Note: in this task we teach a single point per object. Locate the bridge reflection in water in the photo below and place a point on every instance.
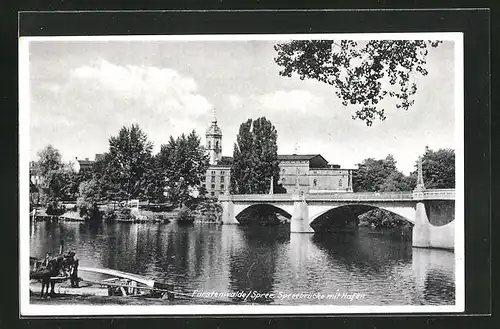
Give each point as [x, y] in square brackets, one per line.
[230, 258]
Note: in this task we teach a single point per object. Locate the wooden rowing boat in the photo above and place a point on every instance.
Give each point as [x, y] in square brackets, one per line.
[119, 283]
[119, 274]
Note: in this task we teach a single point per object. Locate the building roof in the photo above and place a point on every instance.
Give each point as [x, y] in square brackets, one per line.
[294, 157]
[227, 160]
[85, 162]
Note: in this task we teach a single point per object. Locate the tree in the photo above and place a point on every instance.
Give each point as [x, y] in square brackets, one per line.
[379, 176]
[99, 172]
[72, 181]
[183, 162]
[128, 160]
[241, 168]
[438, 168]
[255, 157]
[266, 153]
[363, 73]
[49, 160]
[202, 192]
[88, 198]
[397, 181]
[155, 183]
[198, 161]
[55, 177]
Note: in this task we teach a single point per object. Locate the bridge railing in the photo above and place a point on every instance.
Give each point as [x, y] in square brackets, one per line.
[361, 196]
[431, 194]
[257, 197]
[435, 194]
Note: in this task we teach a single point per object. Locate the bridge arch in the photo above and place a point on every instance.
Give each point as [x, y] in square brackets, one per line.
[347, 215]
[261, 212]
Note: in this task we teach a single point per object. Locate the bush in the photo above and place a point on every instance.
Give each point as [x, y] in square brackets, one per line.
[55, 208]
[108, 214]
[213, 211]
[88, 210]
[124, 213]
[185, 215]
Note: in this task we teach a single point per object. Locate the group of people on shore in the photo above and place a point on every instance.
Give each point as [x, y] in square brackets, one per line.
[63, 266]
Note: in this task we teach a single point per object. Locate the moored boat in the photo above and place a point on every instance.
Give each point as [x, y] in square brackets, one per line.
[99, 282]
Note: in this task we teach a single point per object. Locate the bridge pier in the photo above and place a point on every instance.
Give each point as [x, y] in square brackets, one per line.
[426, 235]
[421, 229]
[228, 216]
[299, 222]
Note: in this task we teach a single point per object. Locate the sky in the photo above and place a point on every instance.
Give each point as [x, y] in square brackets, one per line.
[82, 92]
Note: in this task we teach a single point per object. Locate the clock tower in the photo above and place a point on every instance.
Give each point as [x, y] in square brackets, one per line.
[214, 141]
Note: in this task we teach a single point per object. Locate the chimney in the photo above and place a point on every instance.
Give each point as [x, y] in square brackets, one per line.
[86, 159]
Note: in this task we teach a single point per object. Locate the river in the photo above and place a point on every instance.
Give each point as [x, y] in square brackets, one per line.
[362, 268]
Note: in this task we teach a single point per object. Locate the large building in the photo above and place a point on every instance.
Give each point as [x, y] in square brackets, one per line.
[311, 173]
[307, 173]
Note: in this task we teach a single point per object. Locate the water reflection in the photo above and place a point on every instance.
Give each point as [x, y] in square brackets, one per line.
[434, 274]
[253, 265]
[231, 258]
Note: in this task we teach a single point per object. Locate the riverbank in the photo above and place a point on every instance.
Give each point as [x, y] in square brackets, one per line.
[196, 211]
[68, 216]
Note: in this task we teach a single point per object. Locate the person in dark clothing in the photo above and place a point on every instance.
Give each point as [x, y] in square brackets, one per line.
[70, 268]
[74, 274]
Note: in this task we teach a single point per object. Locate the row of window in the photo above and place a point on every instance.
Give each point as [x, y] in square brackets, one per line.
[213, 179]
[212, 186]
[222, 173]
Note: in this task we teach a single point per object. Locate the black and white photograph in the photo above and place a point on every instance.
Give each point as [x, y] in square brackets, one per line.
[250, 173]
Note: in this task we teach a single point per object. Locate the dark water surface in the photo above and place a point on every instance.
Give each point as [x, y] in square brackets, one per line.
[362, 268]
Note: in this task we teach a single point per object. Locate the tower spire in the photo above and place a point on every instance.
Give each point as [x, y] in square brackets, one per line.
[215, 116]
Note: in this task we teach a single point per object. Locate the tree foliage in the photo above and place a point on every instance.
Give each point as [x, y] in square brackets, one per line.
[99, 173]
[56, 179]
[127, 163]
[380, 218]
[363, 73]
[438, 168]
[380, 176]
[49, 160]
[154, 187]
[88, 198]
[183, 162]
[255, 157]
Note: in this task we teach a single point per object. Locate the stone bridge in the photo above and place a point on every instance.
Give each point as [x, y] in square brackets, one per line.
[432, 211]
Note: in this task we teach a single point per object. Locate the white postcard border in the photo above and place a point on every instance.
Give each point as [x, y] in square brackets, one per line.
[27, 309]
